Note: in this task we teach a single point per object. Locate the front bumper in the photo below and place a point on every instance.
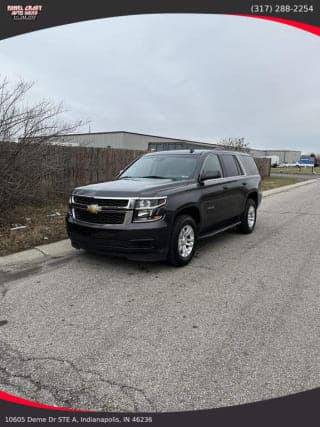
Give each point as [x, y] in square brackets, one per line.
[146, 241]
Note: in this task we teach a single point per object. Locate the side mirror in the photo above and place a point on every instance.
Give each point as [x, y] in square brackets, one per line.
[210, 175]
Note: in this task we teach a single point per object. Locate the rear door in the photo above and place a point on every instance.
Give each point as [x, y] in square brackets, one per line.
[234, 196]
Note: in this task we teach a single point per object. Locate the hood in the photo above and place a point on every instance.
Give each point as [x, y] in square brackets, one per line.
[131, 187]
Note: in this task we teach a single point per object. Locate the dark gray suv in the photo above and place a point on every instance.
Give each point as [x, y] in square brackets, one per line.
[164, 202]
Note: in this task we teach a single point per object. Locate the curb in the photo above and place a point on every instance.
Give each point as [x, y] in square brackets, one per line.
[31, 257]
[287, 187]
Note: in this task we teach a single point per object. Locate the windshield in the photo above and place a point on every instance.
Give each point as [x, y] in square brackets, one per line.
[169, 167]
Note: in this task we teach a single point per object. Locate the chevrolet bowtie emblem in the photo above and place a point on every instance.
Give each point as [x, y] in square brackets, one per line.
[94, 209]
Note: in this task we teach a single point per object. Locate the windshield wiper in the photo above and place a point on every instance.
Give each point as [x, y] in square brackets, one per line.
[155, 177]
[148, 176]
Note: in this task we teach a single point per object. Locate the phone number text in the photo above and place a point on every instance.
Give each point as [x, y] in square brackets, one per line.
[282, 8]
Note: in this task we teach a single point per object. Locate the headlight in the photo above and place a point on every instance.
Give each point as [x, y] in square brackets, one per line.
[148, 209]
[150, 203]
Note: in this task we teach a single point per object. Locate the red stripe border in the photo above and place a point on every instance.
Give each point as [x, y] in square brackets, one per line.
[20, 401]
[300, 25]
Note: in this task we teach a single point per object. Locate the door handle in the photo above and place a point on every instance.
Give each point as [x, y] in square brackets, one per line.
[225, 187]
[244, 183]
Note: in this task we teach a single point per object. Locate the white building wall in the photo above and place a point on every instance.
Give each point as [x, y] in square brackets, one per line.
[114, 140]
[286, 156]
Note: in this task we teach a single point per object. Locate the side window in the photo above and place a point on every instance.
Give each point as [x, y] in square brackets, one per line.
[240, 171]
[212, 164]
[250, 165]
[231, 165]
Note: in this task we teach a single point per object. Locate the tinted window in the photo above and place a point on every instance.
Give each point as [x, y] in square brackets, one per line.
[250, 165]
[240, 170]
[174, 167]
[212, 164]
[230, 165]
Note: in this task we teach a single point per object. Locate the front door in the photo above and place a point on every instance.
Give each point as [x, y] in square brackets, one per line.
[212, 194]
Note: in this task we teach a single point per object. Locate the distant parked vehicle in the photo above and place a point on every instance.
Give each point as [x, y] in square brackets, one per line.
[288, 165]
[275, 161]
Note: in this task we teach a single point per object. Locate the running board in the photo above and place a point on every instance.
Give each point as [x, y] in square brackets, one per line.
[221, 230]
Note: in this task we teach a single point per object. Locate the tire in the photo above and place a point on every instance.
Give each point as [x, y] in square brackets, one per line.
[183, 241]
[249, 217]
[75, 245]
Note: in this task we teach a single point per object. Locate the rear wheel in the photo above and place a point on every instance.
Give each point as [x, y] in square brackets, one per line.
[183, 241]
[249, 217]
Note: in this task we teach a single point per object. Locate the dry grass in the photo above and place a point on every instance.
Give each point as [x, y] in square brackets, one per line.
[278, 181]
[41, 228]
[296, 171]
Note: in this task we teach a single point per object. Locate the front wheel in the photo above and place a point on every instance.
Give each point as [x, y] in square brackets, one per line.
[183, 241]
[249, 217]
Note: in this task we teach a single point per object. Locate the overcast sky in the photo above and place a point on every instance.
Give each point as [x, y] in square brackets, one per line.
[187, 76]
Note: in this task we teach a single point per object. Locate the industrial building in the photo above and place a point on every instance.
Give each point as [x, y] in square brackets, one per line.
[119, 139]
[139, 141]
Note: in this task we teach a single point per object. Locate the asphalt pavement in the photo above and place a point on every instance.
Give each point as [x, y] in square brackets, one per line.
[241, 323]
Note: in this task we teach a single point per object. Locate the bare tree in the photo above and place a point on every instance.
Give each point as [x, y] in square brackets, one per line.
[26, 129]
[237, 144]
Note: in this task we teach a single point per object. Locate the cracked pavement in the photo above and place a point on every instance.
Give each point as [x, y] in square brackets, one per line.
[239, 324]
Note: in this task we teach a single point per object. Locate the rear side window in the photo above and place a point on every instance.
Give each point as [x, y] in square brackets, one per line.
[231, 165]
[250, 165]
